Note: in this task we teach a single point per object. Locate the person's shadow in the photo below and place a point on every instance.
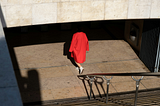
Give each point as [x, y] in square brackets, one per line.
[30, 88]
[67, 53]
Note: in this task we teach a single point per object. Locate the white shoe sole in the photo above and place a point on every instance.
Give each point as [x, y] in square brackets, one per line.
[81, 71]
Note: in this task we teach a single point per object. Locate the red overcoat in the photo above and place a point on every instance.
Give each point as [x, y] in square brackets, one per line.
[79, 46]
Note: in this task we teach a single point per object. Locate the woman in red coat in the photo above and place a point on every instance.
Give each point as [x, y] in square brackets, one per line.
[79, 46]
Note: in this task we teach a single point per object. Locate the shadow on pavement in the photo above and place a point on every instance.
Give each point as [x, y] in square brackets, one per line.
[98, 83]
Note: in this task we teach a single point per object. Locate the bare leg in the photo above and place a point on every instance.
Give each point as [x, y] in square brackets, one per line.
[78, 64]
[80, 68]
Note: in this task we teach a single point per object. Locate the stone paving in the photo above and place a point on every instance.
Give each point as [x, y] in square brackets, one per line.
[46, 71]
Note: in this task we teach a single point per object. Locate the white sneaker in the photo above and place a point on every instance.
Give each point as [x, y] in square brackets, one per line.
[77, 68]
[81, 70]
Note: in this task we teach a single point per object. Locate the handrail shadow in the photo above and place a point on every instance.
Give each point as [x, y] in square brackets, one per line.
[97, 81]
[95, 75]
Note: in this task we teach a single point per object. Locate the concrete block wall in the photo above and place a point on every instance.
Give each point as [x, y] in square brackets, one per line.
[150, 35]
[149, 48]
[32, 12]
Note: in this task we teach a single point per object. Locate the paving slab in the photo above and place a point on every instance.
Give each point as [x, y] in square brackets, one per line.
[47, 74]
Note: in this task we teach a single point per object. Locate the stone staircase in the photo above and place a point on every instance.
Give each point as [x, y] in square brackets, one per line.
[145, 98]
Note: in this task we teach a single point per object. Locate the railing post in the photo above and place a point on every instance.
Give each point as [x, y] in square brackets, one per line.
[108, 82]
[157, 57]
[137, 86]
[136, 95]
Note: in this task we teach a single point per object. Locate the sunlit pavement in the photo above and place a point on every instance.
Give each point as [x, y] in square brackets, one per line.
[47, 74]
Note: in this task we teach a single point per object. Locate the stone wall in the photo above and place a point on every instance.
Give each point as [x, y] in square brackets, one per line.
[32, 12]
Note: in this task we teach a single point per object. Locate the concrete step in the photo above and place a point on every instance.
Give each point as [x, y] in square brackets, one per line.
[88, 103]
[145, 98]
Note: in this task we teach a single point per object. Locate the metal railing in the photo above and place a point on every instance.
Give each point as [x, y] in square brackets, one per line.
[92, 76]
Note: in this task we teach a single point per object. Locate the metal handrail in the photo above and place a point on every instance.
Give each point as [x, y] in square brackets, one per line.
[94, 75]
[124, 74]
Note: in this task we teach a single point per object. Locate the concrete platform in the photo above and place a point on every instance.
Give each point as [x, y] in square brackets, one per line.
[46, 71]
